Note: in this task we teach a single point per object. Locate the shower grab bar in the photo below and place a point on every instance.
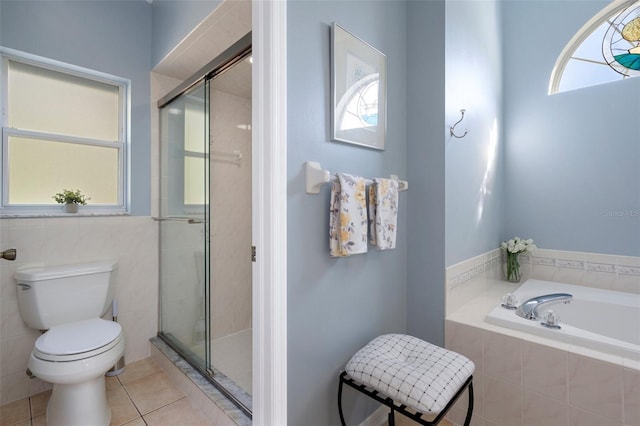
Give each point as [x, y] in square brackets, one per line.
[190, 221]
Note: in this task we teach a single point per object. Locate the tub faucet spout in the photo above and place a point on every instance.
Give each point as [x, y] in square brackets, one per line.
[532, 308]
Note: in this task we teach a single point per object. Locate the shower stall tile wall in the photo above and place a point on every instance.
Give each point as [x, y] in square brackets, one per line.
[130, 241]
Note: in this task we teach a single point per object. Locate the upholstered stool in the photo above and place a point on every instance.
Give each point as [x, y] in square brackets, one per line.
[415, 378]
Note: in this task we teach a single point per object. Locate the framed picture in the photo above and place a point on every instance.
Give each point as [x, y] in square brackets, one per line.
[358, 91]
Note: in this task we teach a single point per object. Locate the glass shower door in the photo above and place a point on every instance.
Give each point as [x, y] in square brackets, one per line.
[184, 217]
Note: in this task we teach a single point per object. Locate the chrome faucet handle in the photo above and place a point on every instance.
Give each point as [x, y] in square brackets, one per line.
[550, 320]
[509, 301]
[8, 254]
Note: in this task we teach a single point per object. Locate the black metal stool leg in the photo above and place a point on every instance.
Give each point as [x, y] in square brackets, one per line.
[467, 420]
[340, 401]
[392, 418]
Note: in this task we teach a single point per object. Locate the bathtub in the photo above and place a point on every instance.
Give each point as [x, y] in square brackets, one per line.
[607, 321]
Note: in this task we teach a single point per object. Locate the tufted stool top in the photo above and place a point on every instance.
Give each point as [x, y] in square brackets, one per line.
[410, 371]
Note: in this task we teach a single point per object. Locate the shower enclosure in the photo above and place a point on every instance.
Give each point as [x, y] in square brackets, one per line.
[205, 222]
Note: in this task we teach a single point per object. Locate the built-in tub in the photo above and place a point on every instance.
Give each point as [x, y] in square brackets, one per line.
[607, 321]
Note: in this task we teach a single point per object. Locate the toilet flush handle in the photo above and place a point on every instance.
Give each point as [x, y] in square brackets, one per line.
[8, 254]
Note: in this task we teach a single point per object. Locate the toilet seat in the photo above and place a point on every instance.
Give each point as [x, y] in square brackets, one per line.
[77, 340]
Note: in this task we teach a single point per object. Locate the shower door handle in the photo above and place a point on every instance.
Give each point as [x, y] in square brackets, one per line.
[190, 221]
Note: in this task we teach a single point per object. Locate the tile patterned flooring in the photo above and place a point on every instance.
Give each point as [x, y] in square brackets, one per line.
[141, 395]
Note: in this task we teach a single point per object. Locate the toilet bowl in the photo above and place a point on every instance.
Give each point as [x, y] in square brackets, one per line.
[78, 347]
[74, 357]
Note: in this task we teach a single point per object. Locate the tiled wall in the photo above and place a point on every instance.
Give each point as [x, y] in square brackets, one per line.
[468, 279]
[520, 382]
[131, 241]
[230, 211]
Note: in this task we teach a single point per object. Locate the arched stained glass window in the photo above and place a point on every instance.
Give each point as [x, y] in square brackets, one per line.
[607, 48]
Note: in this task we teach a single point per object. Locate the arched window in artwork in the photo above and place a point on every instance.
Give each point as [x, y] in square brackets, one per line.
[607, 48]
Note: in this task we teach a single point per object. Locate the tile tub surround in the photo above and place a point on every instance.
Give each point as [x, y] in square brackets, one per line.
[130, 240]
[471, 278]
[527, 380]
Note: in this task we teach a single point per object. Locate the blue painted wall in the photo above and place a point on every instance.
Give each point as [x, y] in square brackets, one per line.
[106, 36]
[474, 164]
[572, 159]
[173, 20]
[337, 305]
[426, 169]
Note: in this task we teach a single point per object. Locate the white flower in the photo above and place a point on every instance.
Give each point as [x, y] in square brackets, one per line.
[518, 245]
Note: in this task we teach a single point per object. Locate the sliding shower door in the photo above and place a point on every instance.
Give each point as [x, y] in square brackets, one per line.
[205, 223]
[184, 218]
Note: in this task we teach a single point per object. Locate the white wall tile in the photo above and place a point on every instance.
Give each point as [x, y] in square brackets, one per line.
[631, 397]
[595, 385]
[545, 370]
[503, 357]
[131, 241]
[579, 417]
[464, 282]
[541, 410]
[502, 402]
[465, 340]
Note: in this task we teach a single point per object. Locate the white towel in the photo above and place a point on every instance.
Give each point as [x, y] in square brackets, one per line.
[347, 216]
[383, 213]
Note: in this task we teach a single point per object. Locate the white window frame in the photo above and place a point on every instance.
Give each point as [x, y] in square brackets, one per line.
[612, 9]
[122, 144]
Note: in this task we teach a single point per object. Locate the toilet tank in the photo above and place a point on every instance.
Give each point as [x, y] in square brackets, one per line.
[53, 295]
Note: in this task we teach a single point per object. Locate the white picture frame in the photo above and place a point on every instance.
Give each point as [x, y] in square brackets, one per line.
[358, 91]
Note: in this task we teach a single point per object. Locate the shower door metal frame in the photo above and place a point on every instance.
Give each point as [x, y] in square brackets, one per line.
[237, 52]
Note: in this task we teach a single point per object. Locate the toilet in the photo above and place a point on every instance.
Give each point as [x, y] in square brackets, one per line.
[78, 347]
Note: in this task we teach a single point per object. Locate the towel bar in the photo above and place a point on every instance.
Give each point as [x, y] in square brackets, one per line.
[316, 176]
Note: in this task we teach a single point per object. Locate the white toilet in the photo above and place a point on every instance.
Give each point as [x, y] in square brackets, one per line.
[79, 346]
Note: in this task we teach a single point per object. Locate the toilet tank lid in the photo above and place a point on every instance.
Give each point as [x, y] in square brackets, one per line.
[51, 272]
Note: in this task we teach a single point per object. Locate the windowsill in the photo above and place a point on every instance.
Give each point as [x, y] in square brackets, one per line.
[59, 214]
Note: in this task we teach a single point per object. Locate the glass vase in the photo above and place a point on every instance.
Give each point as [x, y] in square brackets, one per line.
[512, 268]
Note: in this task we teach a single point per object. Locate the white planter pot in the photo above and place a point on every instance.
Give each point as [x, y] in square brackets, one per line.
[71, 208]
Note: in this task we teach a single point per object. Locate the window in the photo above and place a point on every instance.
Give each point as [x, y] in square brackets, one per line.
[607, 48]
[63, 127]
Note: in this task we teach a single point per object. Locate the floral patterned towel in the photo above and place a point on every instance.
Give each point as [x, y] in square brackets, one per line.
[347, 216]
[383, 213]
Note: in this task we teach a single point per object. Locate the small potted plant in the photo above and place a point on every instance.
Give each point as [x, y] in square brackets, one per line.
[71, 200]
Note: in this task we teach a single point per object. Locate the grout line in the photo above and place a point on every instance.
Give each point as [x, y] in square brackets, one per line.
[131, 399]
[30, 413]
[166, 405]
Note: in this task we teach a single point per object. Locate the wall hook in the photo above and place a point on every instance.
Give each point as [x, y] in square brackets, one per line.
[452, 128]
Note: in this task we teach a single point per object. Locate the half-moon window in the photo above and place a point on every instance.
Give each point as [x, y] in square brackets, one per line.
[607, 48]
